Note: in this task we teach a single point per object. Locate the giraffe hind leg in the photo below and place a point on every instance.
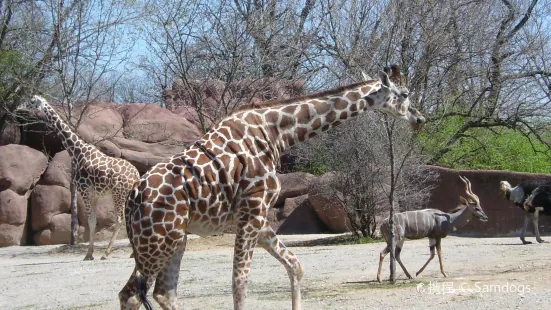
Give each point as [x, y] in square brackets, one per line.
[119, 201]
[167, 280]
[269, 241]
[134, 293]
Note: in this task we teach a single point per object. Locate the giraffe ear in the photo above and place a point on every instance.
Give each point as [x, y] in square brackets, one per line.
[463, 200]
[384, 78]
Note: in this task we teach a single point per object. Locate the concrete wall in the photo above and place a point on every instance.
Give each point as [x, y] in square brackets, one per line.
[504, 218]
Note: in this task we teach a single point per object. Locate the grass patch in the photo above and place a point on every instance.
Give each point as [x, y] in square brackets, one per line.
[347, 239]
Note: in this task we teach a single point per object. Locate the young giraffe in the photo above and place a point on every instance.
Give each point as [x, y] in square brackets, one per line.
[229, 177]
[96, 173]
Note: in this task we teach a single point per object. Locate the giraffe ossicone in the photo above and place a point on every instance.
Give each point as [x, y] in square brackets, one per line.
[229, 178]
[96, 174]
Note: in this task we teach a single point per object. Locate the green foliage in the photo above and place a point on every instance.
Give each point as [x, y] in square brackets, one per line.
[11, 65]
[315, 166]
[481, 148]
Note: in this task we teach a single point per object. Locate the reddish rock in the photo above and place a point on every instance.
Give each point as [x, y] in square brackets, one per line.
[294, 184]
[331, 213]
[277, 216]
[20, 167]
[47, 201]
[303, 220]
[58, 171]
[12, 235]
[13, 214]
[150, 123]
[13, 208]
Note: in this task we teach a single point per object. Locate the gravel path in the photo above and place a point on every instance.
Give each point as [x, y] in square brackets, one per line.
[483, 273]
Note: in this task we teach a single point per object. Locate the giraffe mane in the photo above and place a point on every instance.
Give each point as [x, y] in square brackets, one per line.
[275, 103]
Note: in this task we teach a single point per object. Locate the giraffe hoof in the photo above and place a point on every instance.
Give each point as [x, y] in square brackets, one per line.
[526, 242]
[540, 241]
[103, 257]
[89, 257]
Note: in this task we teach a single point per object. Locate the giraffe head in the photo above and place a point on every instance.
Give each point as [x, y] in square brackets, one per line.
[395, 97]
[36, 103]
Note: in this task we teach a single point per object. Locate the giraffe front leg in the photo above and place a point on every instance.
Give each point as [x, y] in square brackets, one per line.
[248, 230]
[269, 241]
[90, 208]
[167, 280]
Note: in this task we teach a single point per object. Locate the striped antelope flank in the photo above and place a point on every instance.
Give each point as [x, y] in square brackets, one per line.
[519, 195]
[431, 223]
[539, 202]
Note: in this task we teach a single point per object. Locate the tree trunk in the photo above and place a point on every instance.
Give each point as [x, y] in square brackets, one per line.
[392, 244]
[74, 211]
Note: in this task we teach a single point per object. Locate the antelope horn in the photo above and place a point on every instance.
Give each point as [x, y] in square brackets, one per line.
[468, 188]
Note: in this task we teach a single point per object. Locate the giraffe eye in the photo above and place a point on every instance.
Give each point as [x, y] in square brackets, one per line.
[405, 95]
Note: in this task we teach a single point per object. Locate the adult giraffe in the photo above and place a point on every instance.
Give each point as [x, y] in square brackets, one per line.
[229, 177]
[96, 173]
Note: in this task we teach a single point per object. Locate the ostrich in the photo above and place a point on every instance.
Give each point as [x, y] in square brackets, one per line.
[518, 195]
[539, 202]
[431, 223]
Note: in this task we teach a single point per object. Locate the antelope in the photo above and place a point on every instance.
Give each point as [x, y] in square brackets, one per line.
[431, 223]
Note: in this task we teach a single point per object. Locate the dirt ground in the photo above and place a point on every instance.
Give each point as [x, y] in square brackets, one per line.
[483, 273]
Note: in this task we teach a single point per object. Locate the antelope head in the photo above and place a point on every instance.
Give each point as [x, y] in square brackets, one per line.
[472, 201]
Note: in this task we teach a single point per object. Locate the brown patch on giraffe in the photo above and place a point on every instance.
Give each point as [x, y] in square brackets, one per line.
[321, 107]
[288, 139]
[343, 116]
[370, 101]
[271, 117]
[286, 122]
[354, 107]
[182, 209]
[312, 135]
[354, 114]
[330, 117]
[233, 147]
[253, 119]
[353, 96]
[339, 103]
[303, 116]
[316, 124]
[159, 229]
[290, 109]
[301, 133]
[202, 160]
[337, 123]
[365, 90]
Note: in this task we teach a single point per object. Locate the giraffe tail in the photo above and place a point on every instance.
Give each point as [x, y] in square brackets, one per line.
[141, 286]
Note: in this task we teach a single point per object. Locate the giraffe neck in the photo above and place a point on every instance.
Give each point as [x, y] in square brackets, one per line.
[292, 121]
[71, 141]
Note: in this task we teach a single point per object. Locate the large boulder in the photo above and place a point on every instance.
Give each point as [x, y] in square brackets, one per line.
[303, 220]
[331, 213]
[294, 184]
[20, 167]
[13, 216]
[277, 216]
